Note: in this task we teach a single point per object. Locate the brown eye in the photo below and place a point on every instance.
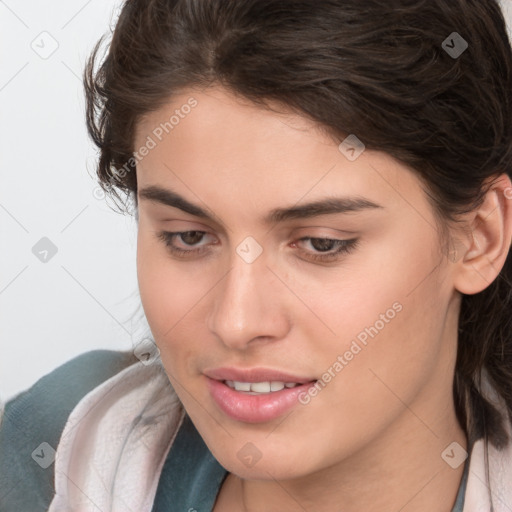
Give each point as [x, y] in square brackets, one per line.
[191, 237]
[328, 249]
[187, 238]
[323, 244]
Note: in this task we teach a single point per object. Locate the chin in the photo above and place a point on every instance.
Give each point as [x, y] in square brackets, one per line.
[266, 463]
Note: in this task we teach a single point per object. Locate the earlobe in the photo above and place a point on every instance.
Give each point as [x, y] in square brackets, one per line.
[490, 239]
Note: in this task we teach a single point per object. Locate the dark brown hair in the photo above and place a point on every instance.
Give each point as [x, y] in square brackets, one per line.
[379, 69]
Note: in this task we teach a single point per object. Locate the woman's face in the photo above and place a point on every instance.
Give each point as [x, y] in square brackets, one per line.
[301, 263]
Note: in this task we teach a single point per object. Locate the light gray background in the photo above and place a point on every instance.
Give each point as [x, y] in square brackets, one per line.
[86, 295]
[83, 297]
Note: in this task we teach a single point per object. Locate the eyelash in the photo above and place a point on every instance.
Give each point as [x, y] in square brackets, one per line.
[344, 246]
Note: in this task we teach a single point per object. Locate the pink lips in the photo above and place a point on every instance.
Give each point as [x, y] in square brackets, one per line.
[254, 408]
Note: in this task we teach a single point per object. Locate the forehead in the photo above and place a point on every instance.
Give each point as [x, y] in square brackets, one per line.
[217, 118]
[210, 142]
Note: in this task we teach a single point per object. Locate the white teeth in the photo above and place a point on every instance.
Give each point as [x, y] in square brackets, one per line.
[276, 386]
[260, 387]
[242, 386]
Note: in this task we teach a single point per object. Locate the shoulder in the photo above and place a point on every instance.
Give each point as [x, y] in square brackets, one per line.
[32, 423]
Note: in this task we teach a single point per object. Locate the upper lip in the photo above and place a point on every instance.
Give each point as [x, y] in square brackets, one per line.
[254, 375]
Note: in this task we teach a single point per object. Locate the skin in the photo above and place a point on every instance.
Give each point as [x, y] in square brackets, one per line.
[372, 439]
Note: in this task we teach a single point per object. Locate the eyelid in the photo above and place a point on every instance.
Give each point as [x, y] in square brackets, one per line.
[339, 232]
[184, 224]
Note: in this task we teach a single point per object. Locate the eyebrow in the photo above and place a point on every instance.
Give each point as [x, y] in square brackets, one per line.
[327, 206]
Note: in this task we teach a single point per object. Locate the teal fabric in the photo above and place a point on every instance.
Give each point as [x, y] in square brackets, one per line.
[191, 477]
[459, 502]
[38, 415]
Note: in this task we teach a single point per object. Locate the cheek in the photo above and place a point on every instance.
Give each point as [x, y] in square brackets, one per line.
[167, 293]
[386, 299]
[173, 301]
[389, 323]
[366, 292]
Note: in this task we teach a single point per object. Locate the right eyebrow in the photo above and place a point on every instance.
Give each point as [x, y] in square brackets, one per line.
[170, 198]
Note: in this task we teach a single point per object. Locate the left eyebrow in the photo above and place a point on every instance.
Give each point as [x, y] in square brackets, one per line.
[327, 206]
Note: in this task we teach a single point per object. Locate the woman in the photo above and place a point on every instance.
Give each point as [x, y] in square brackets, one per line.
[323, 198]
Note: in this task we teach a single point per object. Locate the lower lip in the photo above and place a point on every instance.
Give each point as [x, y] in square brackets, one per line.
[255, 408]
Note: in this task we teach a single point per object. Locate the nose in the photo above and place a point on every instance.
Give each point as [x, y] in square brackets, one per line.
[249, 305]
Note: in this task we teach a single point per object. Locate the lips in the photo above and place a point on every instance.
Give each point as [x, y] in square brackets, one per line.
[262, 394]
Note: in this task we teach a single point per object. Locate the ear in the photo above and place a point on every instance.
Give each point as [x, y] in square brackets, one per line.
[488, 239]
